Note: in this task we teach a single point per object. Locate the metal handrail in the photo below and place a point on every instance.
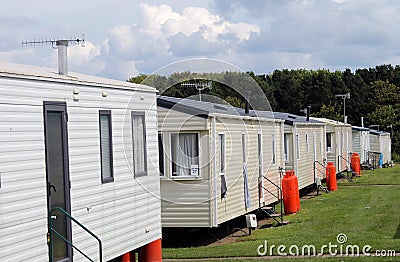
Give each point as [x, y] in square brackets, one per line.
[52, 230]
[315, 168]
[370, 156]
[278, 197]
[346, 160]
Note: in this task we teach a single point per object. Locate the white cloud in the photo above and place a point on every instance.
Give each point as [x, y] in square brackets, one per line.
[164, 35]
[261, 36]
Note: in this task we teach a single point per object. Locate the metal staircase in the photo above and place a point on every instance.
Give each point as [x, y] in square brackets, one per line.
[348, 173]
[52, 232]
[271, 211]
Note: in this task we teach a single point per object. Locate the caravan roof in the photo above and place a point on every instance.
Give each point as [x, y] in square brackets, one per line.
[204, 108]
[12, 70]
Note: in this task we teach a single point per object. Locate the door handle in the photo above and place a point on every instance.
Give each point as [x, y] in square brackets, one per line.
[54, 217]
[50, 186]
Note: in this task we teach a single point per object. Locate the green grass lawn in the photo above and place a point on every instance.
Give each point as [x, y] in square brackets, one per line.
[367, 214]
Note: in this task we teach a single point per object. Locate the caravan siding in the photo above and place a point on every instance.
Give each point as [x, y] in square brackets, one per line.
[110, 210]
[173, 120]
[385, 147]
[356, 135]
[309, 151]
[360, 140]
[374, 143]
[233, 205]
[338, 143]
[271, 167]
[185, 201]
[344, 146]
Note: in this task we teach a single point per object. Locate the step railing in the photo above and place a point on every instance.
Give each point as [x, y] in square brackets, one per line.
[51, 230]
[371, 159]
[316, 164]
[348, 169]
[319, 183]
[277, 195]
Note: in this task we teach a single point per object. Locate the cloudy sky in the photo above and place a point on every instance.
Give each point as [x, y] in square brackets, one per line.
[127, 37]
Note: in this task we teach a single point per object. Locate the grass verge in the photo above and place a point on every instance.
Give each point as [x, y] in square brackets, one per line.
[365, 213]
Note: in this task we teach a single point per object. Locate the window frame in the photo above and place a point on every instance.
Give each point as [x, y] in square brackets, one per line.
[171, 162]
[297, 142]
[139, 114]
[286, 148]
[273, 149]
[111, 177]
[161, 135]
[222, 149]
[329, 148]
[260, 154]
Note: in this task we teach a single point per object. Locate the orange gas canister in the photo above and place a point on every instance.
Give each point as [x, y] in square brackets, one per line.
[296, 184]
[331, 177]
[151, 252]
[355, 163]
[289, 193]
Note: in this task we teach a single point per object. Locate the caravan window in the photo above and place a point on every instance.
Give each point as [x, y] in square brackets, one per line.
[221, 141]
[161, 153]
[106, 154]
[139, 143]
[329, 142]
[307, 144]
[185, 154]
[320, 143]
[286, 148]
[297, 147]
[273, 150]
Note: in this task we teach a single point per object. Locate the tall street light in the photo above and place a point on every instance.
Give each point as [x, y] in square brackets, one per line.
[344, 96]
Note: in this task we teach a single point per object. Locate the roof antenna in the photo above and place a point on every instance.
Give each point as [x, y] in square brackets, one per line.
[61, 45]
[199, 86]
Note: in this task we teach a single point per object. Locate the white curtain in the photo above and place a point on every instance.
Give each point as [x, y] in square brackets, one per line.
[185, 154]
[138, 143]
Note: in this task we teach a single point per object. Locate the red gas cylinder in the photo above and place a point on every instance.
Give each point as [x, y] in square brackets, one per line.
[289, 193]
[128, 257]
[331, 177]
[356, 163]
[296, 184]
[151, 252]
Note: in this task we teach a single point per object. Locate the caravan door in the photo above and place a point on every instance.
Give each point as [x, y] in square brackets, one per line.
[58, 188]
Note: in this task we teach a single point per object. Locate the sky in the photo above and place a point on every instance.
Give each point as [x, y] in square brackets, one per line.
[125, 38]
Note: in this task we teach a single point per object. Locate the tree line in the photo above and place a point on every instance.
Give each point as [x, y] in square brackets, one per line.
[374, 92]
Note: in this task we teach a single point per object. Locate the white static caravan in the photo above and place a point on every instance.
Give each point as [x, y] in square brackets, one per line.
[338, 143]
[381, 142]
[304, 147]
[67, 141]
[361, 143]
[211, 161]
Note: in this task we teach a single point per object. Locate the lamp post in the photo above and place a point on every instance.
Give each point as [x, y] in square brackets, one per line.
[344, 96]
